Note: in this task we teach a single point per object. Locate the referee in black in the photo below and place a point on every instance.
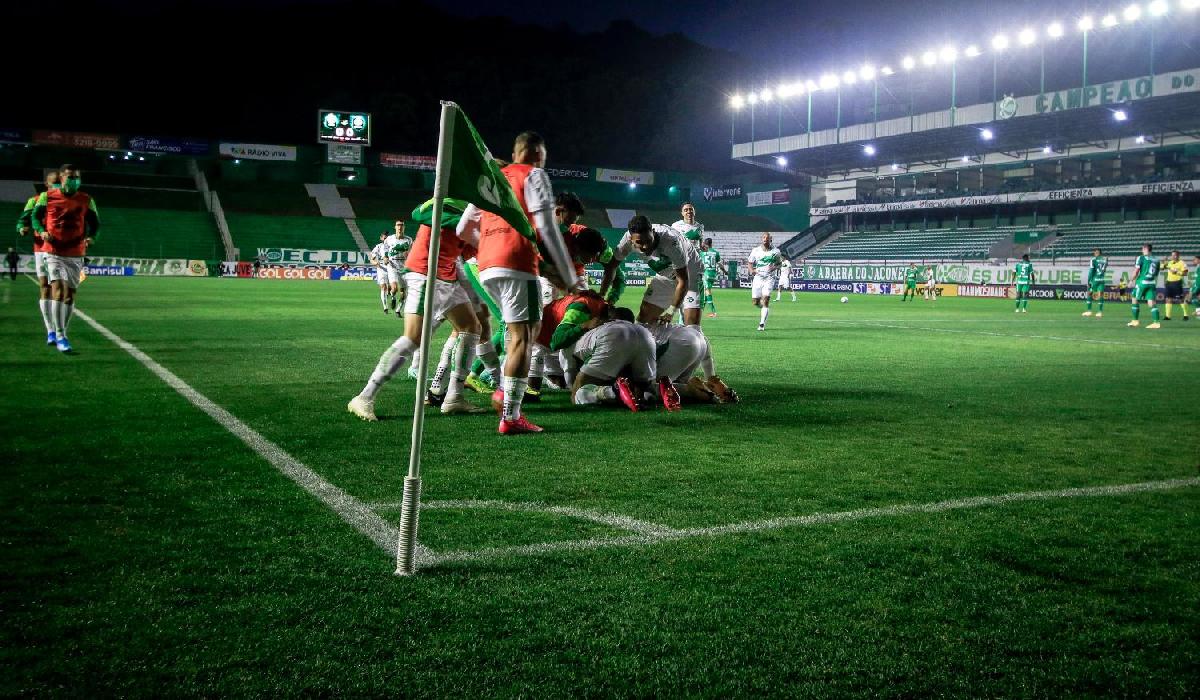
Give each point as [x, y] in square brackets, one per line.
[12, 259]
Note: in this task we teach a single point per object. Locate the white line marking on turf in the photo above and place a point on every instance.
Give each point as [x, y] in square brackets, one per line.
[350, 509]
[639, 540]
[620, 522]
[1095, 341]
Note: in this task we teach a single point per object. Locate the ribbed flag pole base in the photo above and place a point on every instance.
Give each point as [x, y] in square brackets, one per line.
[410, 513]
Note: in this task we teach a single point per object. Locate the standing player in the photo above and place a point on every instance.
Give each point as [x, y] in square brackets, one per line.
[379, 259]
[1145, 285]
[710, 259]
[1023, 278]
[1095, 281]
[1177, 273]
[691, 229]
[1194, 292]
[397, 245]
[40, 248]
[450, 302]
[679, 276]
[765, 259]
[508, 269]
[785, 280]
[910, 282]
[930, 284]
[68, 219]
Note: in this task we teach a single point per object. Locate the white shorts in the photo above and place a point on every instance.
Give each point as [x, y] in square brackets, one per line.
[447, 295]
[396, 277]
[39, 264]
[609, 350]
[684, 351]
[381, 276]
[763, 286]
[62, 269]
[520, 300]
[660, 292]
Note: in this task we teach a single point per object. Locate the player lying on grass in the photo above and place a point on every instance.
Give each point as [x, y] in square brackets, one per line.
[564, 321]
[680, 351]
[1145, 286]
[1095, 282]
[678, 279]
[450, 300]
[615, 361]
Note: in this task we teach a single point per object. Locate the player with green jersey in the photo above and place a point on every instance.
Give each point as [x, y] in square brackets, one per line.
[1095, 282]
[910, 281]
[710, 258]
[1194, 291]
[1023, 278]
[1145, 286]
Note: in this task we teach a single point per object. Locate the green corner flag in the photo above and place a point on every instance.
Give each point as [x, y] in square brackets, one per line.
[475, 177]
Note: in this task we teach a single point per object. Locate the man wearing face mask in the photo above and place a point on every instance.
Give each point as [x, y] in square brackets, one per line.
[67, 218]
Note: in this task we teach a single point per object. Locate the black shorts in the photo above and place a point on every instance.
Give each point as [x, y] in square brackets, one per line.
[1175, 290]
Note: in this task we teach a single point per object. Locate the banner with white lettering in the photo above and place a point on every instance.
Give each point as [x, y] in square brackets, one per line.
[635, 177]
[763, 199]
[303, 256]
[1015, 198]
[258, 151]
[718, 192]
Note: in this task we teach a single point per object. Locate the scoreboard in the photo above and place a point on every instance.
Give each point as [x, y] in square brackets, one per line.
[336, 126]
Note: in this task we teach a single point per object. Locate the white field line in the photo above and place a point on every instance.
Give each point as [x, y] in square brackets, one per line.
[1094, 341]
[620, 522]
[350, 509]
[643, 539]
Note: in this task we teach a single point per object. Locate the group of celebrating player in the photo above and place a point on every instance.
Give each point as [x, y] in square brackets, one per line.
[63, 222]
[557, 332]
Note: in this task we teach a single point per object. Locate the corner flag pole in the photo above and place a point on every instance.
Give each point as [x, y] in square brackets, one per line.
[410, 508]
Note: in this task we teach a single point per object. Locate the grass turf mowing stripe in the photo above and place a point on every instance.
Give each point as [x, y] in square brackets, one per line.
[350, 509]
[1010, 335]
[811, 520]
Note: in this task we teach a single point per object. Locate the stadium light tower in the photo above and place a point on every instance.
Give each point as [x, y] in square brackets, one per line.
[1189, 4]
[1120, 115]
[887, 70]
[929, 58]
[781, 162]
[1026, 36]
[869, 149]
[1158, 8]
[999, 43]
[766, 95]
[986, 134]
[1132, 13]
[737, 102]
[1109, 21]
[908, 62]
[1055, 30]
[972, 51]
[1086, 25]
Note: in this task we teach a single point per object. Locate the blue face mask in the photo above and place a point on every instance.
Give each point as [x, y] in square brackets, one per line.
[71, 185]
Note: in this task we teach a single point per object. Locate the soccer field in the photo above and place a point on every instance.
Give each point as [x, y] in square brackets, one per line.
[906, 502]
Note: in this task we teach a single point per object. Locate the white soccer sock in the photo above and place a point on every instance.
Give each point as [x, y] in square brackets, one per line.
[59, 311]
[390, 362]
[383, 297]
[537, 362]
[437, 384]
[590, 394]
[47, 314]
[487, 353]
[514, 392]
[762, 315]
[793, 296]
[70, 312]
[463, 356]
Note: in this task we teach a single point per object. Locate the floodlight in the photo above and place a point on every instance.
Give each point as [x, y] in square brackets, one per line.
[633, 185]
[1158, 8]
[909, 63]
[869, 149]
[972, 51]
[895, 167]
[849, 78]
[1120, 115]
[766, 95]
[811, 85]
[1108, 21]
[784, 90]
[948, 54]
[886, 70]
[966, 159]
[1140, 139]
[1189, 4]
[753, 98]
[737, 101]
[781, 162]
[1000, 42]
[1055, 30]
[1046, 149]
[867, 72]
[986, 134]
[929, 58]
[1132, 13]
[829, 81]
[1086, 24]
[1026, 37]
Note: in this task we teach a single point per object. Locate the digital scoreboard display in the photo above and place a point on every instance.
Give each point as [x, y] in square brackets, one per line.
[335, 126]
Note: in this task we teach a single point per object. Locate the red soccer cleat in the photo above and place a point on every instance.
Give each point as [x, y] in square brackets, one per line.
[518, 427]
[625, 393]
[498, 401]
[670, 397]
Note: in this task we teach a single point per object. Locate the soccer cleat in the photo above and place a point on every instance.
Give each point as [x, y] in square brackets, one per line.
[1154, 326]
[461, 406]
[363, 408]
[722, 391]
[474, 383]
[762, 326]
[670, 397]
[432, 399]
[1099, 314]
[1134, 323]
[51, 338]
[517, 427]
[1166, 318]
[63, 344]
[713, 315]
[1087, 313]
[387, 310]
[1185, 318]
[625, 393]
[532, 395]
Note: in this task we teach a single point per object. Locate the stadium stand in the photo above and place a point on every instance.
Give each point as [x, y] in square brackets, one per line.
[917, 244]
[157, 233]
[253, 231]
[1125, 238]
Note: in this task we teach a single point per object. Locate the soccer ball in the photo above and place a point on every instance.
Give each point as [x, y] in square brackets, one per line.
[845, 299]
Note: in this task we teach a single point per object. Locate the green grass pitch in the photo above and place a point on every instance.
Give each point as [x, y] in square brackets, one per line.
[147, 551]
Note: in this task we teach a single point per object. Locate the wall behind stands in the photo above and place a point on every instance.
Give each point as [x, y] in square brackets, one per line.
[792, 216]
